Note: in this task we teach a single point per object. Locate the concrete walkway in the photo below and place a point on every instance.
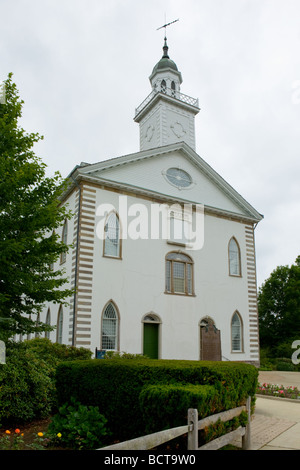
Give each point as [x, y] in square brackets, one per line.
[276, 422]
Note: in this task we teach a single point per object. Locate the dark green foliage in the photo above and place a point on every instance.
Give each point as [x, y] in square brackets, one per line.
[30, 212]
[222, 427]
[158, 403]
[78, 427]
[115, 386]
[279, 309]
[27, 387]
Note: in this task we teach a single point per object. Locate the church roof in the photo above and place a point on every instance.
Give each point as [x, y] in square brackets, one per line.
[98, 173]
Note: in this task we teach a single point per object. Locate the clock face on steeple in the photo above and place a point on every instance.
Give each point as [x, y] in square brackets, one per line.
[178, 129]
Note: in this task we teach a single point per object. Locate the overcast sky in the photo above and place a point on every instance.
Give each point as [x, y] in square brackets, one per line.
[82, 67]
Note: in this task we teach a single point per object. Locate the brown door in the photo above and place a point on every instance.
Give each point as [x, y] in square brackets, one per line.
[210, 343]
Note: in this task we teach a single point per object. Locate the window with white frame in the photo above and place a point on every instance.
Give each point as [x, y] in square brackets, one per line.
[112, 246]
[179, 274]
[236, 333]
[234, 258]
[109, 328]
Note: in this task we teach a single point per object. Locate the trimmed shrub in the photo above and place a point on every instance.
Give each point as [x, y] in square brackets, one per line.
[27, 386]
[115, 386]
[165, 406]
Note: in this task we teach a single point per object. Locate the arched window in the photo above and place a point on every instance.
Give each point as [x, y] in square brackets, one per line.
[110, 328]
[234, 258]
[236, 333]
[179, 274]
[163, 86]
[173, 88]
[64, 239]
[48, 322]
[60, 320]
[112, 246]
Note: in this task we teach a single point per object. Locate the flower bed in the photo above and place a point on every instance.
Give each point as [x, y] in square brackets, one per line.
[278, 391]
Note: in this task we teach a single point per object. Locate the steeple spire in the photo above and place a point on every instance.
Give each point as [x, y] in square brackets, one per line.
[165, 49]
[166, 115]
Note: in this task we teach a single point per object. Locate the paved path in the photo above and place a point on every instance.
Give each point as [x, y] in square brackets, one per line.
[276, 421]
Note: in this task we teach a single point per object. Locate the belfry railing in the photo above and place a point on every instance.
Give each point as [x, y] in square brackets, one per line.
[169, 92]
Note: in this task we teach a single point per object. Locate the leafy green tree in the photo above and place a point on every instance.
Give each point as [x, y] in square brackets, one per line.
[279, 307]
[30, 212]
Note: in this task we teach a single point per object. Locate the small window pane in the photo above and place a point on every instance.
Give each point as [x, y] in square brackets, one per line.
[236, 333]
[178, 277]
[189, 278]
[234, 258]
[168, 276]
[109, 328]
[112, 238]
[60, 326]
[178, 257]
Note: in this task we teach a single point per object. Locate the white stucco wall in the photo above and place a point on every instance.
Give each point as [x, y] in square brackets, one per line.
[136, 283]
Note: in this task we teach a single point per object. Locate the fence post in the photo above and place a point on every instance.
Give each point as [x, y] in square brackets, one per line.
[246, 439]
[193, 433]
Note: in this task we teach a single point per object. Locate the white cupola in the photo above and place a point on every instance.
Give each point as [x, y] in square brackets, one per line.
[166, 116]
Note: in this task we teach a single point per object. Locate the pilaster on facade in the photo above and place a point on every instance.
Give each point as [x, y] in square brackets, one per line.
[82, 267]
[252, 294]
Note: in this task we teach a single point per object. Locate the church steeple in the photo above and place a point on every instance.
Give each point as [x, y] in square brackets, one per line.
[165, 49]
[166, 115]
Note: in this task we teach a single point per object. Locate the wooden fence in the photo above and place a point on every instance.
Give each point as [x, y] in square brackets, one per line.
[191, 428]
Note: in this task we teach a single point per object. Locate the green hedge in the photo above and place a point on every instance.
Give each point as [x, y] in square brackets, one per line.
[158, 403]
[117, 387]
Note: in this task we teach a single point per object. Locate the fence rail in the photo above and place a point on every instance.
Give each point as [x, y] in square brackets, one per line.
[169, 92]
[194, 425]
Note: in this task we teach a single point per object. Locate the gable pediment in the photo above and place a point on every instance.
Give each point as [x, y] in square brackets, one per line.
[147, 172]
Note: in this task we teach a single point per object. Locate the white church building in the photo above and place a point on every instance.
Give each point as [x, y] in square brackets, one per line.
[163, 259]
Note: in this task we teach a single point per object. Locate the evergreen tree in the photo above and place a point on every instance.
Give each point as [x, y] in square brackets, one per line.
[30, 212]
[279, 306]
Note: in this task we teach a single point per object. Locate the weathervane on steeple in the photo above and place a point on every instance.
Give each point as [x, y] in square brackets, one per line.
[165, 48]
[167, 24]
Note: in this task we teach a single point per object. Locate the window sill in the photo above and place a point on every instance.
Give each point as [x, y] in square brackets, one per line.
[112, 257]
[173, 242]
[181, 294]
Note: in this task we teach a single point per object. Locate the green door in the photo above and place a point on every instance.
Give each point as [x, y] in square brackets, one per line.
[151, 340]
